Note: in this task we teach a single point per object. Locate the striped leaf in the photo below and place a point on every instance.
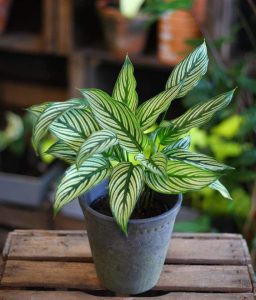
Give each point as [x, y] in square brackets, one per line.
[53, 111]
[125, 186]
[189, 71]
[148, 112]
[182, 177]
[194, 117]
[97, 142]
[125, 86]
[183, 143]
[218, 186]
[62, 151]
[76, 182]
[74, 126]
[37, 109]
[156, 164]
[196, 159]
[117, 117]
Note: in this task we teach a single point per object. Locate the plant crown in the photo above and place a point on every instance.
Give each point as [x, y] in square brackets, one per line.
[109, 136]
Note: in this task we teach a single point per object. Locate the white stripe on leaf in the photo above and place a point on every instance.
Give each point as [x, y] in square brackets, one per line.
[76, 182]
[148, 112]
[125, 186]
[125, 86]
[156, 164]
[189, 71]
[74, 126]
[118, 118]
[196, 116]
[52, 112]
[97, 142]
[182, 177]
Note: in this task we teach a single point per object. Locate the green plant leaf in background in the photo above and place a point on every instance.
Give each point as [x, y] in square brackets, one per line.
[76, 182]
[53, 111]
[182, 177]
[74, 126]
[125, 186]
[194, 117]
[97, 142]
[156, 164]
[125, 86]
[116, 116]
[189, 71]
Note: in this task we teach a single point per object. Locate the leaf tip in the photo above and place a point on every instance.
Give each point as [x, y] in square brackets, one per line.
[56, 210]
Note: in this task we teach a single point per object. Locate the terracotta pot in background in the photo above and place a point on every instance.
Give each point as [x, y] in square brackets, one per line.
[122, 35]
[175, 28]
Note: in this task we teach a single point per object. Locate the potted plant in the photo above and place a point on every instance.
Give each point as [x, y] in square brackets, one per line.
[125, 23]
[178, 26]
[19, 167]
[134, 154]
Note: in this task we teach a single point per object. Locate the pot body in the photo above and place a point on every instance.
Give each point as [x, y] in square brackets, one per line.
[128, 264]
[122, 35]
[175, 29]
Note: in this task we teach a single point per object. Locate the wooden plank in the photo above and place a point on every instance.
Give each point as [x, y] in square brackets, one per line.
[78, 73]
[75, 247]
[7, 245]
[3, 236]
[71, 295]
[194, 278]
[23, 94]
[49, 32]
[1, 269]
[22, 42]
[65, 25]
[253, 278]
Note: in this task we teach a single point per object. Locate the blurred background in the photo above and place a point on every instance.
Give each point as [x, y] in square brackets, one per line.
[51, 48]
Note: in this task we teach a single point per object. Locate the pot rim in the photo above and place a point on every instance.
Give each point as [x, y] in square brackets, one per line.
[173, 210]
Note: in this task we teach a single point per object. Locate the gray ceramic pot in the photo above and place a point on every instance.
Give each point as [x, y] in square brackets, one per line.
[128, 265]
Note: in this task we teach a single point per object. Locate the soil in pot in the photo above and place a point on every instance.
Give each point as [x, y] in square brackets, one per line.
[157, 207]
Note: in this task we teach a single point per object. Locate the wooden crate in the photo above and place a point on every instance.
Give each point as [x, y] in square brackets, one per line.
[40, 264]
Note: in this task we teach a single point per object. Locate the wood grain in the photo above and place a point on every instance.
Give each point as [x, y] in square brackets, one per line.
[75, 247]
[195, 278]
[16, 94]
[63, 295]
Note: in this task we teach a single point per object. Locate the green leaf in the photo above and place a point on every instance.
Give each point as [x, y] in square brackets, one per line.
[183, 143]
[196, 116]
[97, 142]
[218, 186]
[125, 186]
[125, 86]
[74, 126]
[51, 113]
[156, 164]
[76, 182]
[148, 112]
[196, 159]
[182, 177]
[189, 71]
[117, 117]
[62, 151]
